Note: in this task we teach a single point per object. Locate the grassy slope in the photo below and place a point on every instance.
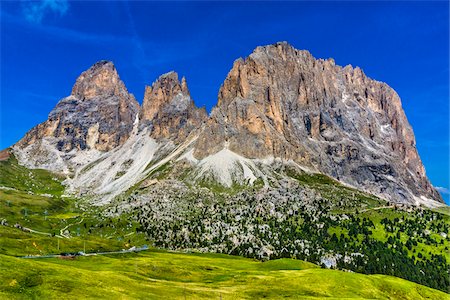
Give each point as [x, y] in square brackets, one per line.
[50, 215]
[152, 274]
[335, 191]
[35, 201]
[36, 181]
[157, 274]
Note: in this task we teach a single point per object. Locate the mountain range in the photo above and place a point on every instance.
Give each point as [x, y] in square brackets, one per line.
[277, 107]
[302, 166]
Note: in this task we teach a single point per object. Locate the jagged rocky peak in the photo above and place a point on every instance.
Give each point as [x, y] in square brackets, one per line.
[279, 104]
[99, 114]
[282, 102]
[169, 109]
[165, 90]
[99, 80]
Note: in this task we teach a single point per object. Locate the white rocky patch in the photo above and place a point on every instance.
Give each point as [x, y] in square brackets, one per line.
[117, 170]
[80, 159]
[92, 136]
[386, 129]
[42, 154]
[6, 188]
[430, 203]
[345, 97]
[179, 103]
[189, 156]
[226, 166]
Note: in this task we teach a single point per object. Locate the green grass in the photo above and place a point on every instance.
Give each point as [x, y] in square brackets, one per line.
[311, 179]
[49, 215]
[36, 181]
[156, 274]
[380, 234]
[443, 210]
[159, 274]
[333, 190]
[35, 201]
[24, 204]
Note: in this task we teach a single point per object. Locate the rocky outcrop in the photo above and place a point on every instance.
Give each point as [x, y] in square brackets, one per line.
[99, 114]
[278, 105]
[169, 110]
[5, 154]
[282, 102]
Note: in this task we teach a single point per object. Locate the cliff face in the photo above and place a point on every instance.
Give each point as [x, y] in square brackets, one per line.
[279, 103]
[102, 139]
[168, 109]
[99, 114]
[282, 102]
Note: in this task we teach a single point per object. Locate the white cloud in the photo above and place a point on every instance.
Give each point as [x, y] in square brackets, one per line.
[36, 11]
[442, 190]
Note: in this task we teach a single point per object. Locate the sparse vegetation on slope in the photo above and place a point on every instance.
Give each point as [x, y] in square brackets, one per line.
[313, 218]
[291, 221]
[36, 181]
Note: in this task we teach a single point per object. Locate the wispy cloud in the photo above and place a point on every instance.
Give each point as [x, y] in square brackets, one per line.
[442, 190]
[140, 54]
[63, 33]
[35, 11]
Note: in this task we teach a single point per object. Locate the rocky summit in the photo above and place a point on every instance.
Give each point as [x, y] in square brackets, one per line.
[169, 110]
[278, 106]
[282, 102]
[99, 114]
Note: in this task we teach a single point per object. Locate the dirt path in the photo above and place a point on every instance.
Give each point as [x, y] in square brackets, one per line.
[377, 208]
[35, 231]
[61, 232]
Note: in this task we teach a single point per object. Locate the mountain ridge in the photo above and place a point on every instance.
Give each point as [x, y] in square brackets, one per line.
[278, 103]
[271, 173]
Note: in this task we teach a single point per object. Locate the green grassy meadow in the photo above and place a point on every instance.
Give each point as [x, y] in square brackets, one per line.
[156, 274]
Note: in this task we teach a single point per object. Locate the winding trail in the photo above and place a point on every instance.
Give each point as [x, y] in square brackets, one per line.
[61, 232]
[377, 208]
[35, 231]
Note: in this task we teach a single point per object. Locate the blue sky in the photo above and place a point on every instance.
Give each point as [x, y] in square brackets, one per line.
[45, 45]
